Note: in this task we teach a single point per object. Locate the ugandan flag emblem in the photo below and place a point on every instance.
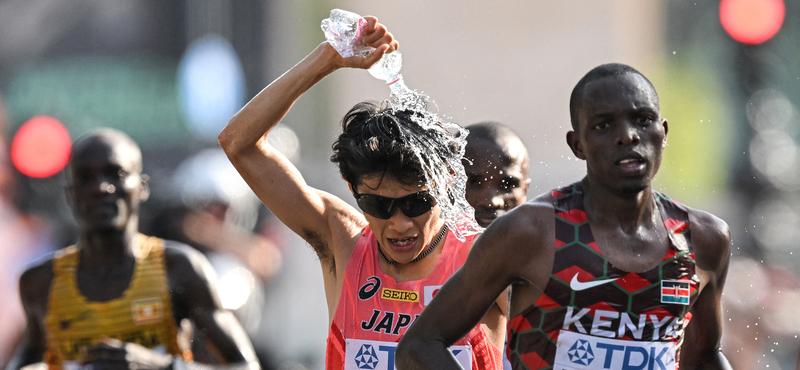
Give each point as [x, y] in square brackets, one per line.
[147, 310]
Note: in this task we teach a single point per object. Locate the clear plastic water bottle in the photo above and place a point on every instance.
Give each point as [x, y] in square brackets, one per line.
[388, 69]
[344, 30]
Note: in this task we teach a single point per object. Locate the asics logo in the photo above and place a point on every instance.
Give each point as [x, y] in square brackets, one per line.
[583, 285]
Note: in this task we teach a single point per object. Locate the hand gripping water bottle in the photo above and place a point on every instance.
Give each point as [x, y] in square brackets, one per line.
[344, 30]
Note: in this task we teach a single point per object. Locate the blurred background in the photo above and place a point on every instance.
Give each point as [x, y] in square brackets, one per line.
[171, 73]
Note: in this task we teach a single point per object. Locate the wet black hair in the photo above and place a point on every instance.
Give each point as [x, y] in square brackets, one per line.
[599, 72]
[371, 143]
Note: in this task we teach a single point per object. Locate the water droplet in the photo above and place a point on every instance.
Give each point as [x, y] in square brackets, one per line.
[439, 146]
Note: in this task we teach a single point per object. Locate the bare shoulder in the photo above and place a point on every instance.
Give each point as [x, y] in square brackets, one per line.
[711, 238]
[538, 208]
[345, 225]
[523, 234]
[34, 284]
[530, 219]
[184, 262]
[191, 280]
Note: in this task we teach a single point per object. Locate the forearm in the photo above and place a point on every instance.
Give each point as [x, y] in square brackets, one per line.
[270, 105]
[417, 354]
[226, 335]
[717, 361]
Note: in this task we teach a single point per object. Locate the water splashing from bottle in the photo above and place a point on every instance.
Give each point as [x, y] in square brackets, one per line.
[438, 145]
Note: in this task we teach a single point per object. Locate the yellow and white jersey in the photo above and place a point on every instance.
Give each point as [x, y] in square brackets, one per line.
[142, 315]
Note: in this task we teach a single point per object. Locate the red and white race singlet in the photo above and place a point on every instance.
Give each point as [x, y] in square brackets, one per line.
[374, 312]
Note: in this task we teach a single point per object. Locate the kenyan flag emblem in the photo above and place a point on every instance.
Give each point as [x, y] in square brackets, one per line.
[673, 291]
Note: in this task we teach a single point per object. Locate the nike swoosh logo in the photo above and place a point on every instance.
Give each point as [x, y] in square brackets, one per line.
[583, 285]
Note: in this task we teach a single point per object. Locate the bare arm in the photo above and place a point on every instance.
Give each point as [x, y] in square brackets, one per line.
[316, 216]
[34, 286]
[509, 251]
[195, 296]
[701, 347]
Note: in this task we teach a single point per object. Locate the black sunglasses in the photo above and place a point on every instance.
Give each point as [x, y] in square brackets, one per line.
[411, 205]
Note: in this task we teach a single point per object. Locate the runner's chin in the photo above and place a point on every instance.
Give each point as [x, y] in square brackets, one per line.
[486, 218]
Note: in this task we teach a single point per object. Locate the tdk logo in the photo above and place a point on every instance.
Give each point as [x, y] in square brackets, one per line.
[366, 357]
[363, 354]
[582, 352]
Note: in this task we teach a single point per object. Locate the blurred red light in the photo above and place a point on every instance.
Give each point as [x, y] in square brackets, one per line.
[41, 147]
[751, 21]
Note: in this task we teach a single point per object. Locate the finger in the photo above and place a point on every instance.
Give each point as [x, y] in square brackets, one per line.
[375, 34]
[376, 55]
[371, 23]
[387, 39]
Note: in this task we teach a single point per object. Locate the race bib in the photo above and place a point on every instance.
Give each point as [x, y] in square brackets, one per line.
[377, 355]
[585, 352]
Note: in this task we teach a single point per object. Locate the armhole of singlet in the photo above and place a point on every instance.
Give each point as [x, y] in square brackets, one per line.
[356, 258]
[358, 253]
[670, 209]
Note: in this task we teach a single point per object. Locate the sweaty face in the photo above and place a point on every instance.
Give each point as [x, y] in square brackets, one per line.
[105, 185]
[402, 238]
[496, 179]
[621, 133]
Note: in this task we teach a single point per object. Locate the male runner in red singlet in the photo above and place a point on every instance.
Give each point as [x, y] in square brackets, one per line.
[116, 298]
[605, 273]
[383, 266]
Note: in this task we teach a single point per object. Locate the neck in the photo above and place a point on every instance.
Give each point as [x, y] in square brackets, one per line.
[107, 248]
[605, 207]
[418, 268]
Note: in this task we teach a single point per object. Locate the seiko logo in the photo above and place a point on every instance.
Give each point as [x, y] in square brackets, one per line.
[369, 289]
[400, 295]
